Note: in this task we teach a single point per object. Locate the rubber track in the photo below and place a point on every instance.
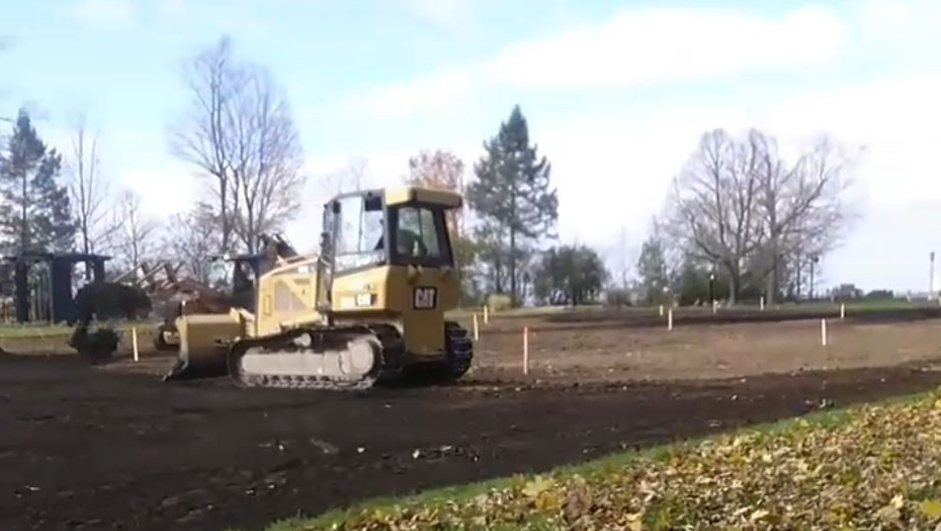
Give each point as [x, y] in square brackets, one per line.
[459, 345]
[393, 352]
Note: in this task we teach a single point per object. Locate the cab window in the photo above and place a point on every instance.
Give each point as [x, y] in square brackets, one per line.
[419, 235]
[359, 233]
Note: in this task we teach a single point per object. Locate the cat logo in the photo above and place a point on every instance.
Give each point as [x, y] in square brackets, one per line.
[424, 298]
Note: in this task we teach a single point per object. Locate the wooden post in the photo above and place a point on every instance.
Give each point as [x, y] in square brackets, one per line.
[761, 303]
[823, 332]
[486, 314]
[476, 328]
[842, 310]
[525, 350]
[134, 344]
[670, 319]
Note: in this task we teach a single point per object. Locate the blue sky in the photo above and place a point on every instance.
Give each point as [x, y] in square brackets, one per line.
[616, 93]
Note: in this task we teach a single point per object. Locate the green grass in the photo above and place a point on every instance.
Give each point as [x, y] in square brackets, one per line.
[43, 330]
[856, 305]
[594, 470]
[890, 304]
[29, 330]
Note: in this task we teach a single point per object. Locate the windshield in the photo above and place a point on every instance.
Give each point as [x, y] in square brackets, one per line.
[420, 236]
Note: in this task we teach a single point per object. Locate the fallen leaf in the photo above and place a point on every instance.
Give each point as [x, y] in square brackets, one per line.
[889, 514]
[537, 486]
[930, 508]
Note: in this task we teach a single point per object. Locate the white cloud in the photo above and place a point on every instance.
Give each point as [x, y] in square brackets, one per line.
[613, 169]
[164, 190]
[451, 16]
[434, 92]
[635, 47]
[894, 118]
[114, 14]
[658, 45]
[894, 21]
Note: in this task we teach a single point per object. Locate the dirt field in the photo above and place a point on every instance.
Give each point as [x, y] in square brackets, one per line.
[114, 448]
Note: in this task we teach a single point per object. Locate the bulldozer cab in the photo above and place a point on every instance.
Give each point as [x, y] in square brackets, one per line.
[364, 230]
[388, 253]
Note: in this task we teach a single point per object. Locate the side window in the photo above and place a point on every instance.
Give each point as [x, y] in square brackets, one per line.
[417, 235]
[351, 217]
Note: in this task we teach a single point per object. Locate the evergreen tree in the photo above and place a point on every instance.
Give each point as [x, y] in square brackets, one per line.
[513, 191]
[652, 268]
[570, 275]
[35, 215]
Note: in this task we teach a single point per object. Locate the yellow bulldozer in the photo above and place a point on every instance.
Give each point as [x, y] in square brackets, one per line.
[368, 309]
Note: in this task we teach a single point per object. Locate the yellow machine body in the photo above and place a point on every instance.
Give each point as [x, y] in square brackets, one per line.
[310, 293]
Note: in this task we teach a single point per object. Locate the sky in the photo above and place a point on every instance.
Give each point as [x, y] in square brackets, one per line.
[616, 94]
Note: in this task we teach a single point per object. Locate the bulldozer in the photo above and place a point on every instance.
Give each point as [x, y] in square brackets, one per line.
[368, 309]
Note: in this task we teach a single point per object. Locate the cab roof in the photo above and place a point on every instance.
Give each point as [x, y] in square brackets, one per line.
[435, 196]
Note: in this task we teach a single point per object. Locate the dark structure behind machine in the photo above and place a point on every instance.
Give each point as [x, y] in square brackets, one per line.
[42, 284]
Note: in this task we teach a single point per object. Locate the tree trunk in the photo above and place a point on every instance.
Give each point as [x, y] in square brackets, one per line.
[734, 283]
[512, 266]
[86, 247]
[797, 268]
[772, 281]
[224, 214]
[497, 277]
[24, 234]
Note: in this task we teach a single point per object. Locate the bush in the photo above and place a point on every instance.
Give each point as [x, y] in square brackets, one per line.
[880, 294]
[617, 297]
[499, 301]
[845, 292]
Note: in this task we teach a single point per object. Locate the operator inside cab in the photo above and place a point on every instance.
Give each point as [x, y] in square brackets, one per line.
[408, 244]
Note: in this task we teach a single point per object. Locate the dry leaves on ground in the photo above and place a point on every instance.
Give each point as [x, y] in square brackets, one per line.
[880, 469]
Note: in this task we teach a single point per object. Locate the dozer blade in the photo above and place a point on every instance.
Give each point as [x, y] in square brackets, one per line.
[183, 369]
[204, 346]
[312, 359]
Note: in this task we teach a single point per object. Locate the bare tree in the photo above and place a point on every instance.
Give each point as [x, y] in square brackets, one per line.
[88, 190]
[350, 178]
[713, 203]
[201, 139]
[135, 238]
[439, 169]
[192, 239]
[268, 174]
[802, 208]
[239, 132]
[739, 205]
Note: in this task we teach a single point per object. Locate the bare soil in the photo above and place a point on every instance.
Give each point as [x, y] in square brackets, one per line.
[112, 447]
[617, 353]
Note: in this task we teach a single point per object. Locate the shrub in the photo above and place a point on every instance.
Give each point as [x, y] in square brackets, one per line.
[499, 301]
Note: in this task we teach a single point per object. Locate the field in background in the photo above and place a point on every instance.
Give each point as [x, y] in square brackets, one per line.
[42, 330]
[816, 306]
